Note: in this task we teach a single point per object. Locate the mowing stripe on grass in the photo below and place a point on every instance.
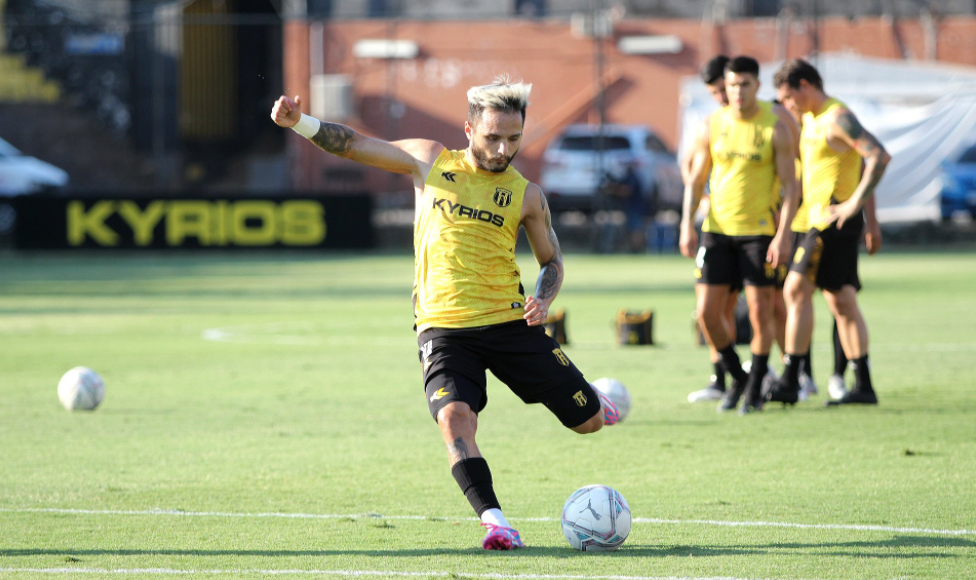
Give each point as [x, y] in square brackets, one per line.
[362, 573]
[760, 524]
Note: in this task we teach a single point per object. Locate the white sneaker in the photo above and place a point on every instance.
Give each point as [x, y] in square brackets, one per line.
[709, 393]
[808, 388]
[836, 387]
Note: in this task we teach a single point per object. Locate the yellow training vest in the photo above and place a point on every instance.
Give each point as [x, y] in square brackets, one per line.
[829, 176]
[743, 170]
[464, 235]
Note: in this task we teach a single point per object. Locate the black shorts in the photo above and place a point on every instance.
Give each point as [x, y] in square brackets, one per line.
[829, 258]
[734, 260]
[523, 357]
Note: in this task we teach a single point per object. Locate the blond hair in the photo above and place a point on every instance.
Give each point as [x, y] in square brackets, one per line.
[503, 94]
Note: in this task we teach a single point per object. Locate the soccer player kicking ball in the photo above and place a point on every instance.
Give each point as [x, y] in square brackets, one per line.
[470, 309]
[833, 146]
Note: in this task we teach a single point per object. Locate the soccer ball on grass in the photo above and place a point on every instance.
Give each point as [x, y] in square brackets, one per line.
[616, 392]
[81, 389]
[596, 518]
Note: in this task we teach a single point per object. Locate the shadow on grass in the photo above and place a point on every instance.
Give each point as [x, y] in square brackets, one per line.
[859, 549]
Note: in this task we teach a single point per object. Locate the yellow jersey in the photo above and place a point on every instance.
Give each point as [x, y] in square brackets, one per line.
[743, 201]
[464, 235]
[829, 176]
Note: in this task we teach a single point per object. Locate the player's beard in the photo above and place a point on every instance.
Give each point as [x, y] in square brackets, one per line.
[494, 164]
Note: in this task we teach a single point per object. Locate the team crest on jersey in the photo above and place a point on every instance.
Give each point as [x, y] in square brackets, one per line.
[502, 197]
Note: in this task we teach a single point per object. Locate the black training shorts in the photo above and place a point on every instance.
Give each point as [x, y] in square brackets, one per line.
[829, 258]
[523, 357]
[734, 260]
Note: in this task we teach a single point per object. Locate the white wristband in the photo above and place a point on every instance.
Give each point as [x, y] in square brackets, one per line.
[307, 126]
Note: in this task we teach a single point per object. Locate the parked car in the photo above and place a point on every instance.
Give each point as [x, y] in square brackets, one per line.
[571, 166]
[959, 183]
[20, 174]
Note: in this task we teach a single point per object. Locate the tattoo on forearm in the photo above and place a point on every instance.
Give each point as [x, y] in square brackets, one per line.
[334, 138]
[548, 281]
[849, 123]
[458, 450]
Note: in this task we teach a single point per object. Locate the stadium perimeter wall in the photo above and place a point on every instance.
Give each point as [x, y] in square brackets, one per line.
[424, 96]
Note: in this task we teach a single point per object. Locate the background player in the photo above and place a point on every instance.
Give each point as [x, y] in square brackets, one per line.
[833, 145]
[713, 75]
[745, 147]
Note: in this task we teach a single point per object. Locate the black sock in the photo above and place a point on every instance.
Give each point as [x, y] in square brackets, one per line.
[840, 359]
[807, 365]
[719, 373]
[862, 375]
[760, 365]
[732, 364]
[791, 374]
[474, 479]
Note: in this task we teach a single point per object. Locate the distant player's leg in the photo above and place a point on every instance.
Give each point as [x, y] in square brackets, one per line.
[760, 299]
[760, 282]
[712, 310]
[716, 384]
[854, 338]
[837, 387]
[719, 273]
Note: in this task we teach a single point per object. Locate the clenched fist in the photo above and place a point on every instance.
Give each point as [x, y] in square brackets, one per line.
[287, 112]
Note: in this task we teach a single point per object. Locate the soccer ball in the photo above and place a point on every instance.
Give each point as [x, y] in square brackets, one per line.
[81, 388]
[596, 518]
[616, 392]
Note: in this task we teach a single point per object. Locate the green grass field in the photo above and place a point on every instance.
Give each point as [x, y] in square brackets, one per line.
[265, 417]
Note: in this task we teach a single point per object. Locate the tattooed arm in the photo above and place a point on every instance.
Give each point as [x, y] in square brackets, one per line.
[848, 129]
[537, 221]
[411, 156]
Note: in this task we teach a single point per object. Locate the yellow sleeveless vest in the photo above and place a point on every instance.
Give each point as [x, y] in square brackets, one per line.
[465, 229]
[828, 176]
[743, 170]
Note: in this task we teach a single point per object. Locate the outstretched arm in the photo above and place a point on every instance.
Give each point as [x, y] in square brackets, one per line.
[412, 156]
[847, 128]
[537, 221]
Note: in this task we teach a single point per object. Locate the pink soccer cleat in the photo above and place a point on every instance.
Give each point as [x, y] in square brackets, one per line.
[500, 538]
[610, 413]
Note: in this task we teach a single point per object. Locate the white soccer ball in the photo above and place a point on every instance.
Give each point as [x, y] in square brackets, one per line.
[616, 392]
[596, 518]
[81, 389]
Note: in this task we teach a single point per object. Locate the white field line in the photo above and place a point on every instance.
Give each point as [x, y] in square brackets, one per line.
[759, 524]
[359, 573]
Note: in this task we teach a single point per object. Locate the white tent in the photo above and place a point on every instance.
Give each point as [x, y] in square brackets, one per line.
[923, 112]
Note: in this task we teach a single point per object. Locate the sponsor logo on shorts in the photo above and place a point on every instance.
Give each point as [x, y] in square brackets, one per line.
[440, 394]
[561, 357]
[580, 399]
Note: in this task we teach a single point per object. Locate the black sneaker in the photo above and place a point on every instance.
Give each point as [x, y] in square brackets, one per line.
[856, 396]
[753, 403]
[730, 400]
[782, 393]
